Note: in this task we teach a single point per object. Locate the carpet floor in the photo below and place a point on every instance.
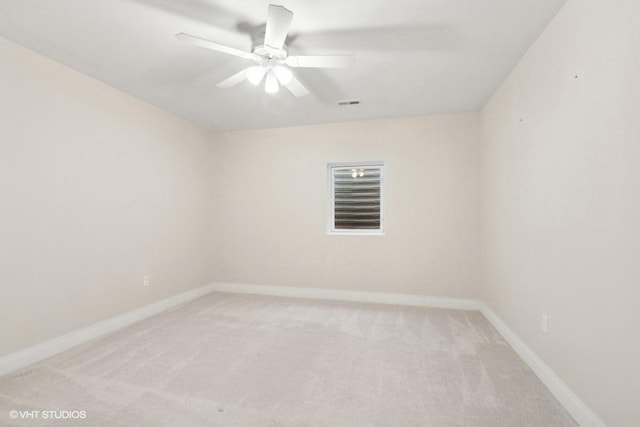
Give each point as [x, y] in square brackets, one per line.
[249, 361]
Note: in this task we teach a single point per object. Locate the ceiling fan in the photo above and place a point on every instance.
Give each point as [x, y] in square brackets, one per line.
[271, 56]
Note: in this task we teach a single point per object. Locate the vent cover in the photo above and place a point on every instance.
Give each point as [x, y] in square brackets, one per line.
[349, 102]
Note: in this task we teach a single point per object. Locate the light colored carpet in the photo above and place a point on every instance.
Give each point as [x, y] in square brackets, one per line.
[242, 360]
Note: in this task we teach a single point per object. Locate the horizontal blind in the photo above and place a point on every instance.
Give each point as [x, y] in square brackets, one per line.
[356, 195]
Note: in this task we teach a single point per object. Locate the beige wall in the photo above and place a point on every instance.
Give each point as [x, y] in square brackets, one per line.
[561, 203]
[97, 189]
[271, 188]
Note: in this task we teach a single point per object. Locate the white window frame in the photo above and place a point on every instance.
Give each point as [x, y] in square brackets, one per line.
[331, 199]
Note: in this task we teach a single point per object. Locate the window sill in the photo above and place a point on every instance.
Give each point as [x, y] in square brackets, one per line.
[355, 233]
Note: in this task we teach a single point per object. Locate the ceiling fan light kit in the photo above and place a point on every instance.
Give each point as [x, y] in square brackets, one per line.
[284, 75]
[271, 83]
[256, 74]
[271, 57]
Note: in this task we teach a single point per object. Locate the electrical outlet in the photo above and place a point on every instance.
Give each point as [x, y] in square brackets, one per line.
[544, 323]
[145, 281]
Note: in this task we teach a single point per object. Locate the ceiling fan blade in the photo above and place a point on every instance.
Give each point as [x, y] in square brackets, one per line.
[329, 61]
[278, 23]
[296, 88]
[207, 44]
[237, 78]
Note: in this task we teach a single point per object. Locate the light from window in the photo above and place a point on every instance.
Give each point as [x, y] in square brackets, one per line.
[355, 198]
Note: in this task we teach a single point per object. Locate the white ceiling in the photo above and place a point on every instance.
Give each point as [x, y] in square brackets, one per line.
[414, 57]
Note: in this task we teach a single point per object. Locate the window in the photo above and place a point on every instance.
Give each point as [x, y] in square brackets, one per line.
[355, 198]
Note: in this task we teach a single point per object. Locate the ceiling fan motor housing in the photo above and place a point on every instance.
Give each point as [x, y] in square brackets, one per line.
[268, 55]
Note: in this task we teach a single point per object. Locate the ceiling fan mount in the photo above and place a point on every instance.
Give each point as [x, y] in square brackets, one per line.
[271, 55]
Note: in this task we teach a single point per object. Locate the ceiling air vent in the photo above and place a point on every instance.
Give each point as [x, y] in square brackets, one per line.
[349, 102]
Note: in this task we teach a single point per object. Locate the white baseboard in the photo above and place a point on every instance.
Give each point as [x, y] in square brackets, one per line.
[23, 358]
[342, 295]
[571, 402]
[567, 398]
